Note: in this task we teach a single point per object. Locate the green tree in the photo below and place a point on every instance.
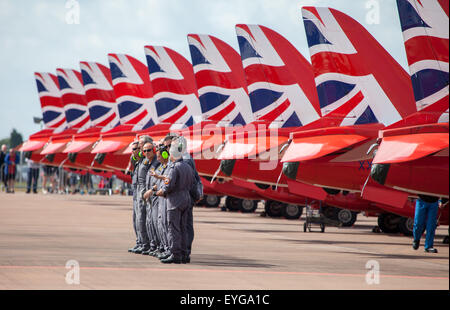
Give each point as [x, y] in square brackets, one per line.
[4, 141]
[15, 138]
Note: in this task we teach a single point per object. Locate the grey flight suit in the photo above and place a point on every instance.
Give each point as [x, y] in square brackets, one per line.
[151, 207]
[135, 201]
[162, 210]
[190, 216]
[177, 191]
[141, 214]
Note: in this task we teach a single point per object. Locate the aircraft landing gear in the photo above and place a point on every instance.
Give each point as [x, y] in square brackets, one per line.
[243, 205]
[232, 203]
[292, 212]
[346, 217]
[211, 201]
[389, 223]
[248, 206]
[406, 226]
[273, 208]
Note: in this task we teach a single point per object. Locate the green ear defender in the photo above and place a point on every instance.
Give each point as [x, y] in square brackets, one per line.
[165, 154]
[140, 154]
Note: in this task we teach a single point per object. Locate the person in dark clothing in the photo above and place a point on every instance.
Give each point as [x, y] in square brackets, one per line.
[141, 211]
[2, 165]
[134, 163]
[197, 193]
[12, 159]
[33, 175]
[177, 189]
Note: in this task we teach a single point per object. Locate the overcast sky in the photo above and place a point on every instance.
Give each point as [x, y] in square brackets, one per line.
[35, 36]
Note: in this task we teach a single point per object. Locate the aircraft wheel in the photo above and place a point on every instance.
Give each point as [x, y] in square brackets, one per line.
[274, 208]
[292, 212]
[346, 217]
[388, 223]
[322, 228]
[330, 212]
[211, 201]
[248, 206]
[232, 203]
[406, 226]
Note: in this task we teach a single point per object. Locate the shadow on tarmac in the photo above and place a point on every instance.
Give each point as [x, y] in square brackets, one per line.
[226, 261]
[395, 256]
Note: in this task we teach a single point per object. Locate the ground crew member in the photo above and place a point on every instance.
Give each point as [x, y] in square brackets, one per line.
[141, 212]
[176, 189]
[426, 213]
[149, 151]
[197, 193]
[158, 182]
[134, 162]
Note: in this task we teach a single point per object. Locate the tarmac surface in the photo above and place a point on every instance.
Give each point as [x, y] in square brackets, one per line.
[40, 233]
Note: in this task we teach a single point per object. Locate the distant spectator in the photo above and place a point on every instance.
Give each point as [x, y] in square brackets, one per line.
[11, 161]
[50, 177]
[73, 180]
[2, 163]
[86, 183]
[33, 175]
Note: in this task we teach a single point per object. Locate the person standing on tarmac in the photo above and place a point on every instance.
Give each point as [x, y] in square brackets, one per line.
[177, 187]
[149, 151]
[197, 193]
[134, 162]
[425, 218]
[141, 212]
[158, 178]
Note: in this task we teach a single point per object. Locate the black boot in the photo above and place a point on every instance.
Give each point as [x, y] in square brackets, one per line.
[131, 250]
[186, 259]
[164, 255]
[171, 260]
[431, 250]
[416, 244]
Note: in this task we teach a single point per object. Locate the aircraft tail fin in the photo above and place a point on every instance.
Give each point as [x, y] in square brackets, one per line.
[357, 80]
[174, 89]
[100, 95]
[220, 80]
[426, 36]
[279, 79]
[50, 98]
[73, 98]
[133, 90]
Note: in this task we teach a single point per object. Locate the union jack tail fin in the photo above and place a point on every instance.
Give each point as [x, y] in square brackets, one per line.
[220, 80]
[133, 90]
[357, 80]
[100, 95]
[425, 32]
[73, 98]
[280, 80]
[174, 89]
[51, 104]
